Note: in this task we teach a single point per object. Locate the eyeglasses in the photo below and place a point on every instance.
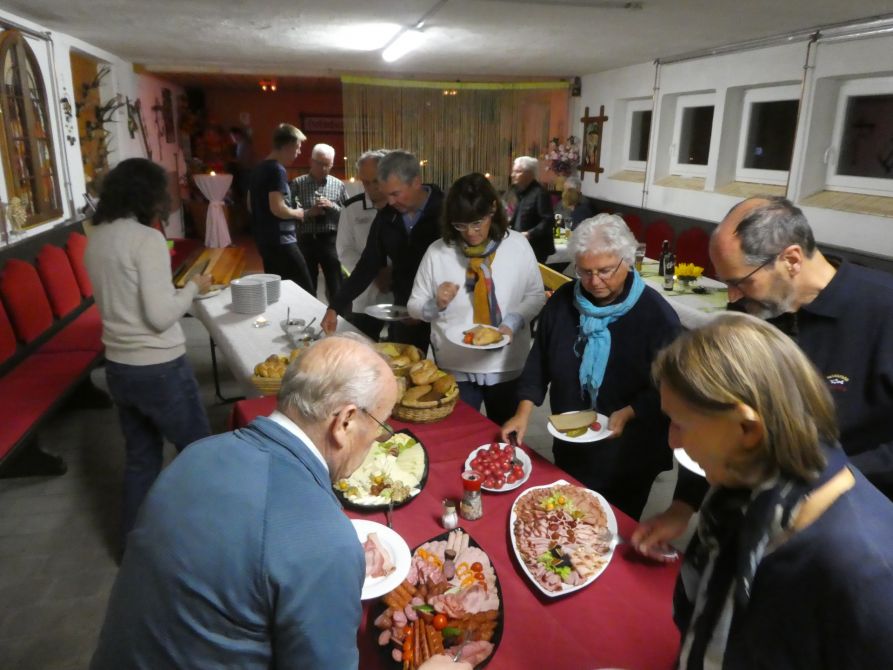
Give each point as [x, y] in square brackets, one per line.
[474, 226]
[603, 274]
[736, 283]
[386, 431]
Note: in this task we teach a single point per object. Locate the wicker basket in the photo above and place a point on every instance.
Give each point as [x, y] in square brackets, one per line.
[431, 412]
[267, 385]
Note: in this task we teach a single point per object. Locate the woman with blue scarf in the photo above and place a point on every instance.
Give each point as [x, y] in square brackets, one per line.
[594, 346]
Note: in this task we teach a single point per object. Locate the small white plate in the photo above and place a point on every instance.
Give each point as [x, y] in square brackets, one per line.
[396, 546]
[210, 294]
[589, 436]
[519, 454]
[456, 335]
[387, 312]
[687, 462]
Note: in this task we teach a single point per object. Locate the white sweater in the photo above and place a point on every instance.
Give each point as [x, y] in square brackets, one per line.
[130, 267]
[519, 290]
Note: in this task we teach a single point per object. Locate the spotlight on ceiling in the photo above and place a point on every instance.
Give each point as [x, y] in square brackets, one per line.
[402, 45]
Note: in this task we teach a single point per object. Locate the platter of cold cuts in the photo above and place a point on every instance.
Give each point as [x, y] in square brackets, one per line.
[562, 536]
[387, 557]
[451, 592]
[392, 474]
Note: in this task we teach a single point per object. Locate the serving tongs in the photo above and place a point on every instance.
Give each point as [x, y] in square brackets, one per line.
[513, 440]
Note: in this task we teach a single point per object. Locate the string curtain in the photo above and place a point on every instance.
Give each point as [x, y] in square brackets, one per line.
[453, 128]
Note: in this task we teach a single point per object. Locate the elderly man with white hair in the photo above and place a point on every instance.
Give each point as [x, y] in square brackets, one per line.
[532, 214]
[322, 196]
[242, 556]
[594, 345]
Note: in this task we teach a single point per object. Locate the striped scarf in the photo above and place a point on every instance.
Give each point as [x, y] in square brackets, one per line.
[479, 282]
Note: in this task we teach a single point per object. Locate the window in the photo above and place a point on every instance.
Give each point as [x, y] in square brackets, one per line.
[768, 128]
[860, 158]
[28, 156]
[638, 134]
[692, 135]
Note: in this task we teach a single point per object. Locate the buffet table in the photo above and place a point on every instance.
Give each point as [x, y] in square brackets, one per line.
[622, 620]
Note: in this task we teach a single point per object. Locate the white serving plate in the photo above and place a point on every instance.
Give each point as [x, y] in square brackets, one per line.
[688, 462]
[457, 334]
[589, 436]
[520, 454]
[396, 546]
[612, 526]
[387, 312]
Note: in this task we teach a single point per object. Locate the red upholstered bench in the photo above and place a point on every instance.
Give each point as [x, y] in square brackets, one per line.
[50, 340]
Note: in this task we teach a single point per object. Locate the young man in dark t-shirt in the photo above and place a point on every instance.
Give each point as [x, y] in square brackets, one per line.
[273, 220]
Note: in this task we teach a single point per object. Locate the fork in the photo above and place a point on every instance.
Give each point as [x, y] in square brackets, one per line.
[617, 539]
[458, 655]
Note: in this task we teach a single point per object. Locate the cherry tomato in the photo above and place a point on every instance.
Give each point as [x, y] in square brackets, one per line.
[476, 567]
[498, 484]
[518, 471]
[596, 426]
[439, 622]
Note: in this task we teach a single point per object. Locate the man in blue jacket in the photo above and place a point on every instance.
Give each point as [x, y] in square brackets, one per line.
[242, 556]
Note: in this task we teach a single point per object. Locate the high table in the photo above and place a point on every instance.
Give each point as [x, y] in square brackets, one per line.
[214, 188]
[622, 620]
[245, 345]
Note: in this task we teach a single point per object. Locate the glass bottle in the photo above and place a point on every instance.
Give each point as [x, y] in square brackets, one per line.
[664, 250]
[449, 519]
[670, 271]
[471, 508]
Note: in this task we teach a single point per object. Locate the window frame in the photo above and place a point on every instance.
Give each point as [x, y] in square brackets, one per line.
[684, 102]
[633, 106]
[14, 41]
[757, 95]
[847, 183]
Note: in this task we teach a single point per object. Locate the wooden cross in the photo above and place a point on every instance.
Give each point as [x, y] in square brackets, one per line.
[593, 131]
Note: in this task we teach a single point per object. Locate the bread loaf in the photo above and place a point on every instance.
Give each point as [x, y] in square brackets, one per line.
[414, 394]
[573, 420]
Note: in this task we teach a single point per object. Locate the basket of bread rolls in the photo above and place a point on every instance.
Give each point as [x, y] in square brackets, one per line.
[430, 394]
[267, 377]
[400, 357]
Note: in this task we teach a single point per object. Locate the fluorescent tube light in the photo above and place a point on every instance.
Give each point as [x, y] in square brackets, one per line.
[402, 45]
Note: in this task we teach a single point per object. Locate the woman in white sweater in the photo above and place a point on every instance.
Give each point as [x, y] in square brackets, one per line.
[480, 272]
[148, 375]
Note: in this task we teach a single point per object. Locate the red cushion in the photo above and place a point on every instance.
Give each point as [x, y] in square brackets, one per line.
[655, 235]
[7, 336]
[692, 247]
[25, 300]
[75, 248]
[245, 411]
[58, 279]
[31, 388]
[82, 334]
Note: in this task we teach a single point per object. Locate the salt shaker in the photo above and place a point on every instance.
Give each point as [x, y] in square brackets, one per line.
[449, 519]
[471, 507]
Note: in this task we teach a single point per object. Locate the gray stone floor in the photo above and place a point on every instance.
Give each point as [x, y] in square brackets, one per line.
[58, 535]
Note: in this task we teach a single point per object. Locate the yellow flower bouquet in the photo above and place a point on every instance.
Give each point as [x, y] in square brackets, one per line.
[688, 272]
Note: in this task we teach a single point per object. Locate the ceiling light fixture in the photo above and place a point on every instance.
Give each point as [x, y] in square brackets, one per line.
[409, 38]
[267, 85]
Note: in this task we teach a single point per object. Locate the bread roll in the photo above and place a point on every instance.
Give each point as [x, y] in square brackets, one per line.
[423, 372]
[412, 353]
[400, 361]
[414, 394]
[432, 396]
[444, 384]
[484, 336]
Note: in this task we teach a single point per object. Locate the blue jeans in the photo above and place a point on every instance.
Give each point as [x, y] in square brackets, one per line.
[154, 402]
[501, 400]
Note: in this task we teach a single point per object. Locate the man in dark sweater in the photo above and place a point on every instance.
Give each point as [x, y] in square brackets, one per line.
[533, 215]
[840, 314]
[401, 232]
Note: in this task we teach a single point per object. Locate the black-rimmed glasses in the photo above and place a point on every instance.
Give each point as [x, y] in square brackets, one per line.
[736, 283]
[386, 431]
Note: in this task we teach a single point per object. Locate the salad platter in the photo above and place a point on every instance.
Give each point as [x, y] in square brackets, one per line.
[392, 474]
[563, 536]
[450, 598]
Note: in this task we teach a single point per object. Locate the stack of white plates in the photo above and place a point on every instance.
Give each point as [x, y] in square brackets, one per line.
[249, 295]
[273, 283]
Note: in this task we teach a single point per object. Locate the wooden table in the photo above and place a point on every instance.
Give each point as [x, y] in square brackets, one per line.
[622, 620]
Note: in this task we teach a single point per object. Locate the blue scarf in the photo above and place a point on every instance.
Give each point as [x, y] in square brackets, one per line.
[594, 322]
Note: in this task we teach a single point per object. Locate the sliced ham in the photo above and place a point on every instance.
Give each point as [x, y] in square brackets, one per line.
[378, 560]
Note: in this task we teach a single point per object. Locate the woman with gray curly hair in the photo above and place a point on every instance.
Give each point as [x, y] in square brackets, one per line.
[595, 342]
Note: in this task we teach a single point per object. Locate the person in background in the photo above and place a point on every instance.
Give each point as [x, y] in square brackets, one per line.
[532, 214]
[593, 349]
[243, 556]
[574, 206]
[149, 377]
[273, 219]
[479, 272]
[840, 314]
[240, 167]
[401, 233]
[356, 220]
[322, 197]
[790, 566]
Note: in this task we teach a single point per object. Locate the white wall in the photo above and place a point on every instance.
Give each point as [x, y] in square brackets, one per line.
[729, 76]
[55, 64]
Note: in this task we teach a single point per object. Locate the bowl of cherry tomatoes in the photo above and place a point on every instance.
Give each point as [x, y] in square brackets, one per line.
[502, 466]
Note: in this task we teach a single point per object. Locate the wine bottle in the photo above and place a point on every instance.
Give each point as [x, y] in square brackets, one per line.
[670, 271]
[664, 250]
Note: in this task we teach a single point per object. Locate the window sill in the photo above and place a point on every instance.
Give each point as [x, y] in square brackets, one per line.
[749, 189]
[688, 183]
[874, 205]
[635, 176]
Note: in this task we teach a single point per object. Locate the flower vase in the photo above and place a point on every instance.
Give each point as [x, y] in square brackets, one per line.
[687, 283]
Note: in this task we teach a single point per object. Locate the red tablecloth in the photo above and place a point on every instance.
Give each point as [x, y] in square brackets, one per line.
[622, 620]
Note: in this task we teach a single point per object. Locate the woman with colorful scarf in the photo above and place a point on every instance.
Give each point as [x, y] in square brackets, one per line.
[594, 346]
[479, 272]
[791, 563]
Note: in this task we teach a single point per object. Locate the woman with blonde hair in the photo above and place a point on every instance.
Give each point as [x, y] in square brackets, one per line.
[790, 566]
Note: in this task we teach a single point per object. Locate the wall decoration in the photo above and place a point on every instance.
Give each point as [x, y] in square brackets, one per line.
[167, 112]
[135, 116]
[593, 129]
[322, 124]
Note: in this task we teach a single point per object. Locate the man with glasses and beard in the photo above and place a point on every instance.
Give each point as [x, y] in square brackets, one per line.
[841, 316]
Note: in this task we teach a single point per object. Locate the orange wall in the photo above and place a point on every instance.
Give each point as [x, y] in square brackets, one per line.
[267, 110]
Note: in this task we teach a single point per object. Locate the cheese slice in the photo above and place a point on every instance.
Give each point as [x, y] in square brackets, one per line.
[573, 420]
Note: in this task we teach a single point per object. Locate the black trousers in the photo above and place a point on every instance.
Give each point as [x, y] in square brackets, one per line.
[287, 261]
[319, 251]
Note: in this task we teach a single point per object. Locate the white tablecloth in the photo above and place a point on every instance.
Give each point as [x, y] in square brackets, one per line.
[243, 345]
[214, 188]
